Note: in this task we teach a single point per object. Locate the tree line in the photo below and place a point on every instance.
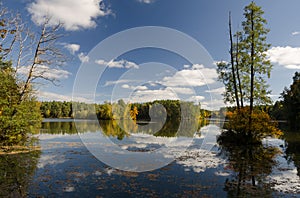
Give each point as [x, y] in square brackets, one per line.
[170, 109]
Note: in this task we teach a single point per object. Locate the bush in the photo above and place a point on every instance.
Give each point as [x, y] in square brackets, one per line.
[261, 126]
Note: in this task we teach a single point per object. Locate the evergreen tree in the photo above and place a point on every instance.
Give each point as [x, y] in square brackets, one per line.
[17, 119]
[291, 102]
[245, 76]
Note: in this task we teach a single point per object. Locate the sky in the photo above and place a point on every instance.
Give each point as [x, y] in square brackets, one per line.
[163, 68]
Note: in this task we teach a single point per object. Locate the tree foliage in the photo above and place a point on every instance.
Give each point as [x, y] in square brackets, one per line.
[245, 76]
[174, 109]
[289, 108]
[262, 125]
[17, 119]
[25, 57]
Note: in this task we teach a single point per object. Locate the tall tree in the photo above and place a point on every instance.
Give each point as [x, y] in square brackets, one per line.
[255, 62]
[249, 66]
[233, 64]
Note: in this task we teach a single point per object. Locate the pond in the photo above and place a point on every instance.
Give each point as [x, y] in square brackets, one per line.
[199, 167]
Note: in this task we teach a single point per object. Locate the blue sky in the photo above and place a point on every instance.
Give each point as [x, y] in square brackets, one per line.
[88, 22]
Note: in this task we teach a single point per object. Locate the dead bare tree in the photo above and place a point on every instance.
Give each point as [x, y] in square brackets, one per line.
[46, 54]
[33, 53]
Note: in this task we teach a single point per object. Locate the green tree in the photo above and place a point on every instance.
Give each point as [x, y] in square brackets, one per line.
[291, 102]
[16, 119]
[255, 62]
[66, 109]
[245, 76]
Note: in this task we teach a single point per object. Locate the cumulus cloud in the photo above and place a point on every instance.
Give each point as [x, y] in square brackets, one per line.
[151, 95]
[289, 57]
[73, 14]
[126, 86]
[46, 72]
[73, 48]
[83, 58]
[118, 64]
[198, 75]
[168, 93]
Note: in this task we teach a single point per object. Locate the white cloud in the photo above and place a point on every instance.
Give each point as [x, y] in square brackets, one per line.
[289, 57]
[46, 72]
[295, 33]
[50, 96]
[214, 104]
[141, 87]
[73, 14]
[198, 75]
[126, 86]
[109, 83]
[181, 90]
[146, 1]
[197, 66]
[83, 58]
[217, 90]
[151, 95]
[168, 93]
[118, 64]
[73, 48]
[196, 98]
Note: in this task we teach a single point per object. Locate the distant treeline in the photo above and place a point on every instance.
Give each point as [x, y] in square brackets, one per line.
[171, 109]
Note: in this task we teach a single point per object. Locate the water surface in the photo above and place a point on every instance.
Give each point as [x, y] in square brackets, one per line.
[65, 167]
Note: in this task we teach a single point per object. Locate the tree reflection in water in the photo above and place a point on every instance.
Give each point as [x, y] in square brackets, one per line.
[292, 140]
[252, 163]
[16, 172]
[171, 128]
[123, 128]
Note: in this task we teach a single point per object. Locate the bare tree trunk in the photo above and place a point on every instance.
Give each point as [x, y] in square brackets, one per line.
[237, 70]
[232, 64]
[34, 63]
[252, 73]
[45, 54]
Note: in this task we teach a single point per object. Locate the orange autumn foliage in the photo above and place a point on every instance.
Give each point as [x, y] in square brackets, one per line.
[261, 126]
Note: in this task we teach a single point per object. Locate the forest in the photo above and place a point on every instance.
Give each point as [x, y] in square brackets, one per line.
[171, 109]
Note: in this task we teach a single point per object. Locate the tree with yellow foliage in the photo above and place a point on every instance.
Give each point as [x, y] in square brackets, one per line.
[133, 113]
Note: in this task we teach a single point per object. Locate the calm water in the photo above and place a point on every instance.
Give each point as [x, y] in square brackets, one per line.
[65, 167]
